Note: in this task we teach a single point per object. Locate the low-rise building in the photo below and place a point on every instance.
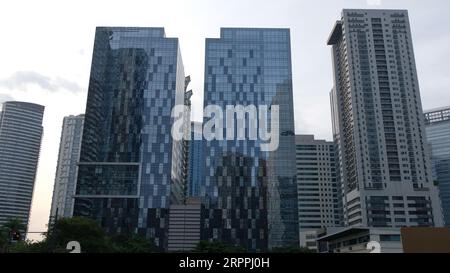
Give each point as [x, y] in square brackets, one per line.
[386, 240]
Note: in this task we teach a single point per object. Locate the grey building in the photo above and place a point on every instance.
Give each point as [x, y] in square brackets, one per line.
[131, 169]
[184, 225]
[67, 168]
[250, 195]
[318, 191]
[385, 167]
[361, 240]
[20, 141]
[438, 136]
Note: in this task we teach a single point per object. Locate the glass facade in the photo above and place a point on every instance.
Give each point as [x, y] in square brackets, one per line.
[130, 168]
[195, 161]
[250, 195]
[438, 136]
[20, 142]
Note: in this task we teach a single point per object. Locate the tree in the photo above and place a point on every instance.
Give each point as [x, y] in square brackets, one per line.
[132, 243]
[6, 231]
[291, 249]
[4, 240]
[87, 232]
[14, 224]
[218, 247]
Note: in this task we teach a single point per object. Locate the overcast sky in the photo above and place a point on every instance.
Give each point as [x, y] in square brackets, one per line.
[46, 50]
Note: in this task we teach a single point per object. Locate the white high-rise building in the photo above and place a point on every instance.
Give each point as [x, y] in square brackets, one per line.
[318, 199]
[385, 167]
[66, 170]
[20, 142]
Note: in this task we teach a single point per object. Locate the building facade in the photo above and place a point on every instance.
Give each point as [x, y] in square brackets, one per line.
[195, 162]
[184, 225]
[318, 191]
[20, 142]
[385, 167]
[385, 240]
[361, 240]
[131, 169]
[250, 195]
[438, 136]
[67, 169]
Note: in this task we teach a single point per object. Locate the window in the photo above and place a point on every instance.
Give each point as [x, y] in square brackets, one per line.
[390, 238]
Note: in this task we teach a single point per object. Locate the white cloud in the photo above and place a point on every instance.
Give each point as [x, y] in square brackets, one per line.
[373, 2]
[5, 97]
[21, 80]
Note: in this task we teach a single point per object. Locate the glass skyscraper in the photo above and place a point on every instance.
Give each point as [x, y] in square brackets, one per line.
[438, 136]
[250, 195]
[20, 142]
[130, 168]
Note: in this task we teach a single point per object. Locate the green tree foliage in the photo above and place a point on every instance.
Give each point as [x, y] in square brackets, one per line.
[132, 243]
[218, 247]
[292, 249]
[12, 225]
[87, 232]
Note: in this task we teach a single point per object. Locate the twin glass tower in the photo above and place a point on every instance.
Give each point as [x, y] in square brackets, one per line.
[131, 169]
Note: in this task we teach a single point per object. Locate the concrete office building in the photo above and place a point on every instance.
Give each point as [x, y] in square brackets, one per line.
[318, 192]
[385, 240]
[378, 124]
[357, 240]
[131, 169]
[20, 142]
[438, 136]
[184, 225]
[67, 169]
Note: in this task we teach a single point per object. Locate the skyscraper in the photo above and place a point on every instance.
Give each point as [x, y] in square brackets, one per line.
[130, 168]
[66, 169]
[195, 160]
[438, 136]
[250, 194]
[20, 141]
[318, 195]
[385, 167]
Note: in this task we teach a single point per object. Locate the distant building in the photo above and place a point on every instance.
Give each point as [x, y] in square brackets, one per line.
[356, 240]
[385, 240]
[378, 125]
[67, 169]
[20, 142]
[308, 238]
[184, 225]
[196, 176]
[438, 136]
[318, 190]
